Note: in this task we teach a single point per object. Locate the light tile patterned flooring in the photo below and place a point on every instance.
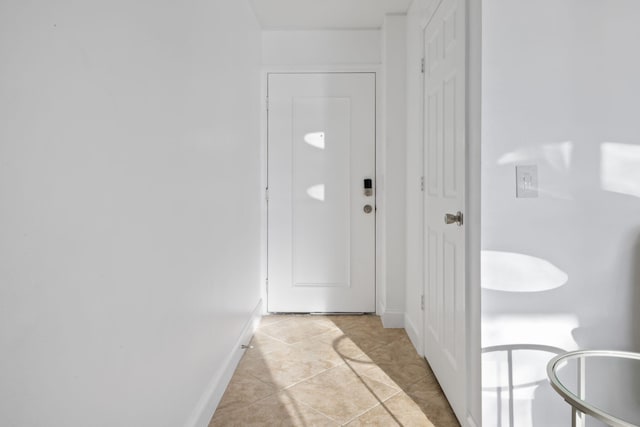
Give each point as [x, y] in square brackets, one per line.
[332, 371]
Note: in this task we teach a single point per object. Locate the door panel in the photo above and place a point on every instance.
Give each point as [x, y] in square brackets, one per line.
[321, 214]
[444, 139]
[321, 243]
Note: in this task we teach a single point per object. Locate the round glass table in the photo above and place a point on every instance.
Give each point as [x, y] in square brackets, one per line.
[601, 384]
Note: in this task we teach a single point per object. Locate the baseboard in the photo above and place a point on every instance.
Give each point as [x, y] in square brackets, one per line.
[414, 335]
[380, 308]
[211, 398]
[393, 319]
[471, 422]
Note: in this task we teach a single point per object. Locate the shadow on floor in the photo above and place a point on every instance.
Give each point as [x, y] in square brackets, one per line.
[331, 371]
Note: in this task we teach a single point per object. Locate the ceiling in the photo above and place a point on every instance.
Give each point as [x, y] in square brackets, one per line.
[325, 14]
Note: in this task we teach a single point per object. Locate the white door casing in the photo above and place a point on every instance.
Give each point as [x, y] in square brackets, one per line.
[321, 148]
[444, 168]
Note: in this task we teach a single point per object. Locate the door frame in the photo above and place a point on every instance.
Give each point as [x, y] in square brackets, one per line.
[264, 149]
[472, 216]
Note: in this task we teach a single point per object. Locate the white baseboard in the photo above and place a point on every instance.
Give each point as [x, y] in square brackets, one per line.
[380, 308]
[414, 335]
[393, 319]
[471, 422]
[211, 398]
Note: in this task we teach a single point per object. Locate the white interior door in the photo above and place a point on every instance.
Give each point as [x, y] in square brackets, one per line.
[444, 162]
[321, 235]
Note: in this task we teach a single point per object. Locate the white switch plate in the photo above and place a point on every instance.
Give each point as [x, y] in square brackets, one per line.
[526, 181]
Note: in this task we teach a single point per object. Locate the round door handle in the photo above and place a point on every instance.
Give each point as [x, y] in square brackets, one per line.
[451, 218]
[367, 208]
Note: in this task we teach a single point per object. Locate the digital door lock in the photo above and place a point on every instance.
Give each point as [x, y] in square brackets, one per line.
[368, 187]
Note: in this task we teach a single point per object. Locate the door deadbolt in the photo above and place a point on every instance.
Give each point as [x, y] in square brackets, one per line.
[451, 218]
[367, 208]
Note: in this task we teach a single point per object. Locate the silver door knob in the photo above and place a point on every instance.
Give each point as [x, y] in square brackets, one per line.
[451, 218]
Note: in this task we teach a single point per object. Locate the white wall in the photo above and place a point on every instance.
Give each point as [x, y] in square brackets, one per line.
[129, 196]
[560, 91]
[413, 251]
[391, 179]
[321, 47]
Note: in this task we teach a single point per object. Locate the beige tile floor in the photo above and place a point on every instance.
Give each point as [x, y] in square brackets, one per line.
[332, 371]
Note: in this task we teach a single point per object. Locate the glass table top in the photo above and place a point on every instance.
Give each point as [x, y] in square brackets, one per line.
[602, 384]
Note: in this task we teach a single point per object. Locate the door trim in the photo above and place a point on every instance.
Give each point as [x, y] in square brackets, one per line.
[473, 214]
[264, 150]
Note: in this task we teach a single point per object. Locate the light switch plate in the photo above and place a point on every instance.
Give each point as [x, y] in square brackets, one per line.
[526, 181]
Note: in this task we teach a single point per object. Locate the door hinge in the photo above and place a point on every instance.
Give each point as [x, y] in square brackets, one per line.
[422, 65]
[266, 103]
[266, 194]
[422, 183]
[266, 284]
[422, 302]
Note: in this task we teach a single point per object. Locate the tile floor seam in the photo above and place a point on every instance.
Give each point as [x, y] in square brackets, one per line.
[396, 386]
[252, 403]
[291, 344]
[311, 377]
[265, 383]
[274, 338]
[359, 379]
[313, 409]
[337, 421]
[273, 322]
[417, 381]
[380, 403]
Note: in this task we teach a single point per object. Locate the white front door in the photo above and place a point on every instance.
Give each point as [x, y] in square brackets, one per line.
[321, 218]
[444, 162]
